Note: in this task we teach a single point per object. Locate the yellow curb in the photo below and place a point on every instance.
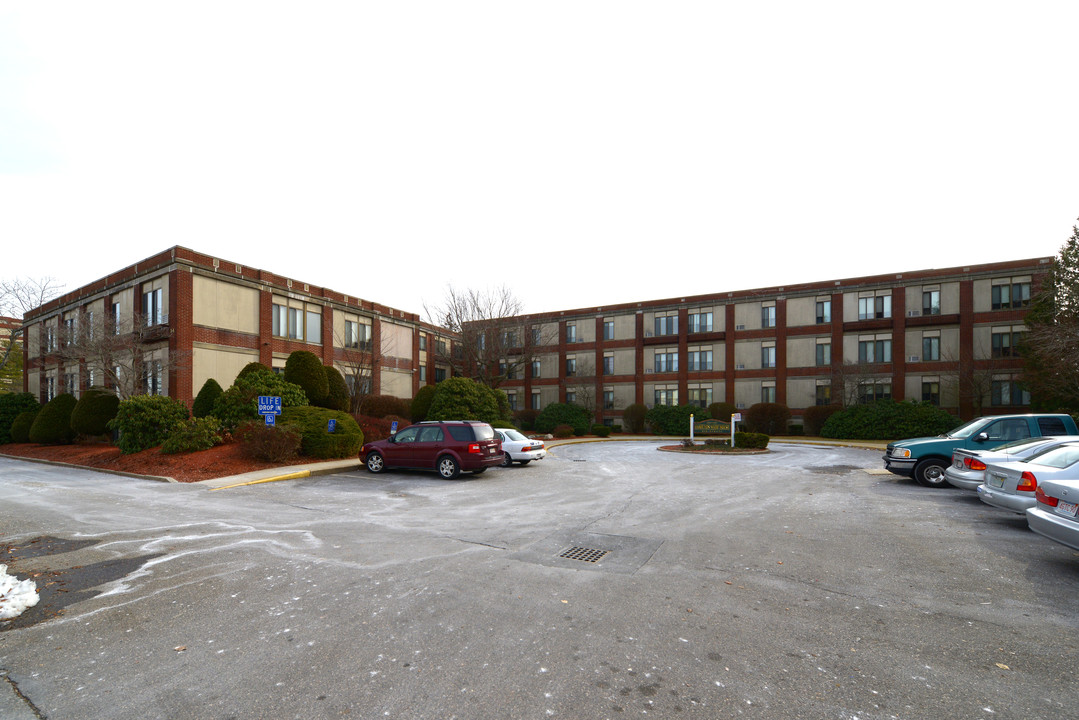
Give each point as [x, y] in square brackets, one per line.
[275, 478]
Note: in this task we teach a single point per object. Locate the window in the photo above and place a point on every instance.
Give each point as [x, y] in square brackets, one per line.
[571, 396]
[280, 320]
[511, 397]
[295, 323]
[50, 339]
[509, 339]
[442, 348]
[571, 333]
[824, 311]
[535, 336]
[71, 329]
[667, 325]
[571, 367]
[666, 396]
[423, 373]
[152, 312]
[870, 392]
[608, 329]
[931, 302]
[768, 356]
[931, 391]
[768, 394]
[116, 318]
[1011, 296]
[535, 401]
[440, 374]
[70, 385]
[50, 388]
[90, 325]
[503, 368]
[536, 369]
[872, 308]
[768, 316]
[1008, 392]
[481, 341]
[608, 399]
[824, 395]
[700, 360]
[314, 326]
[511, 372]
[423, 342]
[352, 335]
[91, 376]
[1005, 343]
[874, 351]
[930, 347]
[824, 354]
[608, 364]
[700, 322]
[701, 397]
[666, 361]
[151, 374]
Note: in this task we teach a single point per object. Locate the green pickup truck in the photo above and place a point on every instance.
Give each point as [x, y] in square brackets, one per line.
[926, 458]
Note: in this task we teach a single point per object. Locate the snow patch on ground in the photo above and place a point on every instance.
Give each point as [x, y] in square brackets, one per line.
[15, 595]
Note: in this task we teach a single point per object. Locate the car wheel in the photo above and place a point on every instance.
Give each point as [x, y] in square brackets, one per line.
[506, 460]
[525, 462]
[375, 462]
[930, 473]
[448, 467]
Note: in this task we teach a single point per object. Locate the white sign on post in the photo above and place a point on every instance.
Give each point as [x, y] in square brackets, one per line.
[735, 417]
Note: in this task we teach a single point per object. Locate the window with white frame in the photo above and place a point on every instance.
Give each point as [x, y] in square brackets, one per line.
[666, 395]
[666, 361]
[930, 346]
[90, 325]
[608, 329]
[930, 302]
[700, 322]
[824, 354]
[666, 324]
[875, 308]
[768, 316]
[768, 356]
[875, 351]
[1007, 295]
[50, 388]
[699, 360]
[536, 369]
[608, 363]
[571, 333]
[824, 311]
[115, 314]
[50, 339]
[70, 383]
[71, 330]
[700, 396]
[152, 311]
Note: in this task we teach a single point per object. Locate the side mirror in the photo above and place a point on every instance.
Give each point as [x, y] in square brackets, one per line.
[392, 439]
[981, 437]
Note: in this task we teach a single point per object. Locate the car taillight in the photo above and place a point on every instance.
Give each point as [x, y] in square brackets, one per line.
[1044, 499]
[474, 448]
[974, 464]
[1029, 483]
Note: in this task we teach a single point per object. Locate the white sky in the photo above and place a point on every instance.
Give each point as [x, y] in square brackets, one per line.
[583, 153]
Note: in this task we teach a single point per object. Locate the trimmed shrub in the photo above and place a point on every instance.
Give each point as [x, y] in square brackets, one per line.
[795, 429]
[459, 398]
[11, 406]
[601, 431]
[373, 428]
[20, 426]
[337, 396]
[421, 403]
[767, 418]
[249, 368]
[52, 426]
[208, 395]
[315, 438]
[633, 417]
[674, 419]
[563, 414]
[93, 411]
[383, 405]
[192, 435]
[145, 421]
[269, 443]
[750, 440]
[525, 419]
[304, 368]
[814, 417]
[562, 431]
[721, 411]
[239, 403]
[888, 420]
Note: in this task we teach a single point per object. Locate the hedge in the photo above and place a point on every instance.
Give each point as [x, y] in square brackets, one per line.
[11, 406]
[94, 410]
[145, 421]
[767, 418]
[315, 438]
[20, 427]
[52, 426]
[557, 414]
[889, 420]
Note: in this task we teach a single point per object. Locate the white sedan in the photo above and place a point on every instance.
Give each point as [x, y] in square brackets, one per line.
[518, 448]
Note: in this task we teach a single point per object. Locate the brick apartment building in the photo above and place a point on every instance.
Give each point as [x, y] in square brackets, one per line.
[946, 336]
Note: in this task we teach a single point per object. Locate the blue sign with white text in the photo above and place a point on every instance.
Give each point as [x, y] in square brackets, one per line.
[269, 405]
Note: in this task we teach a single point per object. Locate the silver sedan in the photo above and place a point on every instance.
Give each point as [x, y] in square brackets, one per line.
[1013, 485]
[967, 470]
[1056, 515]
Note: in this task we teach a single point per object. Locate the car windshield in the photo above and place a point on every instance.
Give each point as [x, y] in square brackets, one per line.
[1059, 457]
[513, 435]
[965, 431]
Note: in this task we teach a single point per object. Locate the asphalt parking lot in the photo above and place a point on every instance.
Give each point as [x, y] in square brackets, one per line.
[798, 584]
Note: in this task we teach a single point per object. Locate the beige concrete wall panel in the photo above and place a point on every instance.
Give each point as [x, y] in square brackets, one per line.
[221, 363]
[748, 315]
[224, 305]
[747, 354]
[397, 343]
[801, 392]
[398, 384]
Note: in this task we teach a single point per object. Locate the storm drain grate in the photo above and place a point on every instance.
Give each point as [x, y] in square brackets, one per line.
[588, 555]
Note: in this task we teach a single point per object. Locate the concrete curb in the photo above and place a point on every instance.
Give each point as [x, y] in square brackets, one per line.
[294, 472]
[158, 478]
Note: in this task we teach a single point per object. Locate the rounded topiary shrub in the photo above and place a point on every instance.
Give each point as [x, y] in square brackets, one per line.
[208, 395]
[562, 431]
[421, 403]
[316, 440]
[304, 368]
[20, 426]
[563, 414]
[94, 410]
[722, 411]
[633, 417]
[813, 418]
[337, 395]
[251, 367]
[767, 418]
[459, 398]
[239, 403]
[11, 406]
[145, 421]
[674, 419]
[52, 426]
[751, 440]
[601, 431]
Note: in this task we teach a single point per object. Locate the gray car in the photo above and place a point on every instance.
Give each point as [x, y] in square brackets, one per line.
[967, 470]
[1056, 515]
[1014, 485]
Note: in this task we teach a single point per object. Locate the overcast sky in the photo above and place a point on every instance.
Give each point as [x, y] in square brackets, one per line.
[582, 153]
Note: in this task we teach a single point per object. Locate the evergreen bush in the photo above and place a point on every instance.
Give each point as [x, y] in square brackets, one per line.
[721, 411]
[373, 428]
[751, 440]
[814, 417]
[767, 418]
[383, 405]
[269, 443]
[208, 395]
[192, 435]
[525, 419]
[421, 403]
[601, 431]
[563, 414]
[337, 395]
[11, 406]
[20, 427]
[674, 419]
[316, 439]
[94, 410]
[145, 421]
[459, 398]
[52, 426]
[633, 417]
[240, 402]
[251, 367]
[889, 420]
[562, 431]
[304, 368]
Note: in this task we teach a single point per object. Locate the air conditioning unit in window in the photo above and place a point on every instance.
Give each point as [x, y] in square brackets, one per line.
[740, 406]
[913, 358]
[739, 327]
[648, 370]
[913, 313]
[648, 333]
[740, 366]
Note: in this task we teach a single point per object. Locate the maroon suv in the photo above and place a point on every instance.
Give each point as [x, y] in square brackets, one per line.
[445, 446]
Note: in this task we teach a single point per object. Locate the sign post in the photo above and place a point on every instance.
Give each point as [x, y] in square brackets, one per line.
[269, 408]
[735, 418]
[691, 428]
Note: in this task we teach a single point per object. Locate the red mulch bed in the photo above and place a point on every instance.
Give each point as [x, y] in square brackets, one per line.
[220, 461]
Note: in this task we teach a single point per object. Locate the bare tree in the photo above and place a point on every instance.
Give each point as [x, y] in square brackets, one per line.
[360, 359]
[494, 344]
[20, 296]
[848, 380]
[583, 385]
